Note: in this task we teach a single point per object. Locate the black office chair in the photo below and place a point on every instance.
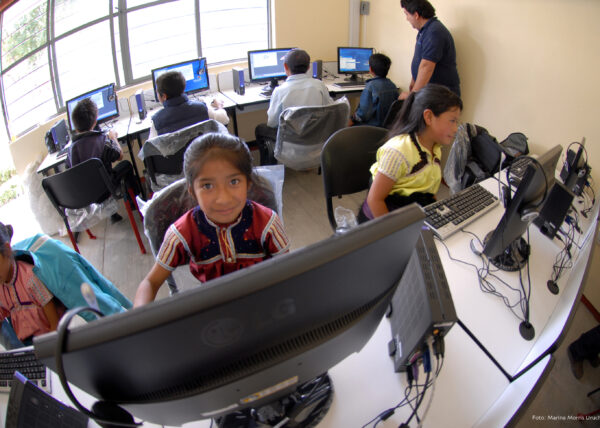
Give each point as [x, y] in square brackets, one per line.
[168, 165]
[85, 184]
[345, 162]
[392, 113]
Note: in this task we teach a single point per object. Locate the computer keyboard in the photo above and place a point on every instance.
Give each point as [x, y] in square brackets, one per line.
[24, 361]
[518, 168]
[63, 151]
[350, 83]
[452, 214]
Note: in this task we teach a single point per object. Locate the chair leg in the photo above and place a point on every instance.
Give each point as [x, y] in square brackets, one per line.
[90, 234]
[134, 226]
[73, 241]
[132, 199]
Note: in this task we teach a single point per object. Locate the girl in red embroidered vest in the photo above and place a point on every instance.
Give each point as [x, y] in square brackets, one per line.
[226, 231]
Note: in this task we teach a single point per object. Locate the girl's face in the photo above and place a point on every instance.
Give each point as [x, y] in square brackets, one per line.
[443, 127]
[221, 190]
[5, 263]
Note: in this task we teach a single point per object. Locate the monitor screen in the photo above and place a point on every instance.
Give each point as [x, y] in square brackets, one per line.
[195, 72]
[521, 210]
[105, 99]
[60, 134]
[247, 338]
[267, 64]
[354, 60]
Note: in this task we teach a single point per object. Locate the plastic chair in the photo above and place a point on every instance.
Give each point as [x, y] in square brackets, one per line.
[345, 162]
[85, 184]
[303, 131]
[173, 201]
[163, 155]
[392, 113]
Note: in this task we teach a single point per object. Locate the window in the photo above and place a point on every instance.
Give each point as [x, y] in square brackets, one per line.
[54, 50]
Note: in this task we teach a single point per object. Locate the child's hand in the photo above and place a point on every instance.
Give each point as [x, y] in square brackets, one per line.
[112, 134]
[218, 104]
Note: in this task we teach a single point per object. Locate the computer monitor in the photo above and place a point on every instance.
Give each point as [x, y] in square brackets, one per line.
[60, 134]
[575, 169]
[195, 72]
[248, 338]
[504, 246]
[105, 99]
[353, 61]
[267, 66]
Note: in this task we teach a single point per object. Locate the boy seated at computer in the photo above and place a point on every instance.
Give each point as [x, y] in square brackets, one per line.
[378, 95]
[298, 90]
[178, 110]
[89, 142]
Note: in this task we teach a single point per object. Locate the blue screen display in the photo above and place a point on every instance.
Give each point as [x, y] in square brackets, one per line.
[105, 99]
[267, 64]
[354, 60]
[195, 72]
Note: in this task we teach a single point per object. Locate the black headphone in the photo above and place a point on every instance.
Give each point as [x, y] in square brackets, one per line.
[507, 189]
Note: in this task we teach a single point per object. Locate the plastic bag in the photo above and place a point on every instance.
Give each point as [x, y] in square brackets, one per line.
[85, 218]
[345, 219]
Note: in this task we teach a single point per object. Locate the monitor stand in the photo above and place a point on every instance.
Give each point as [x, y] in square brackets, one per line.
[303, 408]
[513, 259]
[355, 79]
[268, 89]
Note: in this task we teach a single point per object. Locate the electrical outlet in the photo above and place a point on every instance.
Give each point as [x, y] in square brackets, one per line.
[364, 7]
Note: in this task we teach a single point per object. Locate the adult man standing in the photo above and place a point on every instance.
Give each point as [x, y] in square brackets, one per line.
[434, 59]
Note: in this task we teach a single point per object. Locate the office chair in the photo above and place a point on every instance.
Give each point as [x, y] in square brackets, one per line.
[303, 131]
[85, 184]
[392, 113]
[163, 155]
[346, 159]
[173, 201]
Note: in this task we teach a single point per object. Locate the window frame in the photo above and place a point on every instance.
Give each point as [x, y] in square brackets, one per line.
[117, 10]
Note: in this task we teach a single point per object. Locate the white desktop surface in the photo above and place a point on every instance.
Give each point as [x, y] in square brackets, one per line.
[470, 390]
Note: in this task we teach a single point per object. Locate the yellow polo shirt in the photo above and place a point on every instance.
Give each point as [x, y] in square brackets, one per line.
[396, 159]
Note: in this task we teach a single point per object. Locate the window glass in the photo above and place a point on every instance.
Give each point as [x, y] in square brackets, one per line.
[69, 14]
[23, 30]
[161, 35]
[84, 60]
[134, 3]
[230, 28]
[28, 92]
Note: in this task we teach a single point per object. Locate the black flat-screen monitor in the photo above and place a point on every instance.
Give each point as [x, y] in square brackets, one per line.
[60, 134]
[504, 245]
[195, 72]
[247, 338]
[267, 65]
[353, 61]
[105, 99]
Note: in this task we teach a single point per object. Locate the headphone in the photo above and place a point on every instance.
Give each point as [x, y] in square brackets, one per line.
[529, 214]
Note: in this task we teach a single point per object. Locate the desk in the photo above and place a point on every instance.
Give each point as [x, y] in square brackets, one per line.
[470, 390]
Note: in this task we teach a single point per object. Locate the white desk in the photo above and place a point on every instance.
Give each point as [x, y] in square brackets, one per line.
[470, 390]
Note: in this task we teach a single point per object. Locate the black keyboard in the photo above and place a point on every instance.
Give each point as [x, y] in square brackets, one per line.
[452, 214]
[29, 406]
[518, 168]
[350, 83]
[63, 151]
[24, 361]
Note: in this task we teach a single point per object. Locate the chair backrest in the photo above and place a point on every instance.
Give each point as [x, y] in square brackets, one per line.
[345, 162]
[79, 186]
[303, 131]
[173, 201]
[392, 113]
[163, 155]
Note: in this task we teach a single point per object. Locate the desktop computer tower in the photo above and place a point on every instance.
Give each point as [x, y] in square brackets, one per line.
[140, 102]
[422, 305]
[238, 81]
[555, 209]
[317, 69]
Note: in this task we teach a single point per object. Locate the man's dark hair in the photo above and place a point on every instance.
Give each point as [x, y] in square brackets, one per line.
[84, 115]
[171, 83]
[422, 7]
[380, 64]
[297, 61]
